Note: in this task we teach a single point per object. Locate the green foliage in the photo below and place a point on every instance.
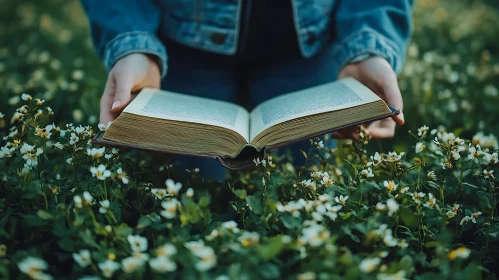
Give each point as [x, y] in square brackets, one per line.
[429, 210]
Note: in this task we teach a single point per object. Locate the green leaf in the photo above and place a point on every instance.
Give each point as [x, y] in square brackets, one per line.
[255, 203]
[408, 217]
[144, 222]
[484, 199]
[88, 239]
[33, 220]
[44, 215]
[240, 193]
[66, 244]
[271, 248]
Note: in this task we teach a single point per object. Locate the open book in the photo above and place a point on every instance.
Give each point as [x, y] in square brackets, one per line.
[184, 124]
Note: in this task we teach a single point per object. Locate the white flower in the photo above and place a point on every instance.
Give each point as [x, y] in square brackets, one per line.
[319, 145]
[380, 206]
[465, 220]
[103, 127]
[88, 277]
[104, 206]
[57, 145]
[166, 250]
[34, 267]
[326, 181]
[96, 153]
[309, 275]
[490, 158]
[455, 155]
[419, 147]
[392, 206]
[332, 211]
[249, 238]
[450, 214]
[390, 185]
[83, 258]
[131, 264]
[122, 176]
[367, 172]
[309, 184]
[69, 160]
[208, 259]
[431, 176]
[431, 201]
[172, 187]
[231, 226]
[169, 208]
[108, 268]
[474, 216]
[162, 265]
[26, 97]
[461, 253]
[369, 265]
[159, 193]
[474, 151]
[488, 174]
[341, 199]
[100, 172]
[315, 235]
[73, 139]
[485, 141]
[416, 197]
[394, 157]
[423, 130]
[137, 243]
[189, 193]
[78, 201]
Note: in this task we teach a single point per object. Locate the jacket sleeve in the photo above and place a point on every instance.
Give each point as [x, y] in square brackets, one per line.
[122, 27]
[373, 28]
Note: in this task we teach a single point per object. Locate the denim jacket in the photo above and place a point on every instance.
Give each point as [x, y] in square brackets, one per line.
[359, 28]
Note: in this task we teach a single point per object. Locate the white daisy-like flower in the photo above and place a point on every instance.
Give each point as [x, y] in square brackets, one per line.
[465, 220]
[166, 250]
[162, 265]
[341, 199]
[26, 97]
[131, 264]
[380, 206]
[474, 151]
[231, 226]
[474, 216]
[310, 184]
[423, 130]
[58, 145]
[96, 153]
[207, 259]
[189, 193]
[399, 275]
[172, 187]
[104, 206]
[159, 193]
[431, 176]
[315, 235]
[417, 196]
[122, 176]
[490, 158]
[461, 253]
[455, 155]
[108, 268]
[390, 185]
[489, 174]
[450, 214]
[103, 127]
[137, 243]
[249, 239]
[392, 206]
[78, 201]
[319, 145]
[419, 147]
[34, 267]
[100, 172]
[83, 258]
[332, 211]
[369, 264]
[87, 198]
[431, 201]
[73, 139]
[169, 208]
[394, 157]
[367, 173]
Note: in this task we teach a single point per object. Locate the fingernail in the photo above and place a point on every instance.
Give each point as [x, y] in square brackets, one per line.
[115, 104]
[402, 116]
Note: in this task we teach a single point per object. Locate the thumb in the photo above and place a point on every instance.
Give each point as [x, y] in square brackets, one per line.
[123, 84]
[394, 98]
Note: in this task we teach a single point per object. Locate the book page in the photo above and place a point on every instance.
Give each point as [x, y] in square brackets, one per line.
[187, 108]
[333, 96]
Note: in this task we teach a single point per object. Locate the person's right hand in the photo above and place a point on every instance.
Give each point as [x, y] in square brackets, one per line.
[130, 74]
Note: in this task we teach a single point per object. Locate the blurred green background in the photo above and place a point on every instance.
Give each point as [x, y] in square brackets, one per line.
[450, 78]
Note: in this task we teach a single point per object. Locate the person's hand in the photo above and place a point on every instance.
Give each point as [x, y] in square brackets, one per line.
[377, 74]
[130, 74]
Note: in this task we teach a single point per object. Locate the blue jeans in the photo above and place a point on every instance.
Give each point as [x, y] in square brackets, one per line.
[267, 64]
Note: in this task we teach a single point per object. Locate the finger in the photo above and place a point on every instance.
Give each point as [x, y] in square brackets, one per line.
[381, 129]
[107, 101]
[347, 133]
[393, 97]
[123, 83]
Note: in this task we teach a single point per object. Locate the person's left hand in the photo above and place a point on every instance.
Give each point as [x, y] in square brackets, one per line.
[377, 74]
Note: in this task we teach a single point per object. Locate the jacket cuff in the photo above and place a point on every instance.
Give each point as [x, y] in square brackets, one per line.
[135, 42]
[367, 43]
